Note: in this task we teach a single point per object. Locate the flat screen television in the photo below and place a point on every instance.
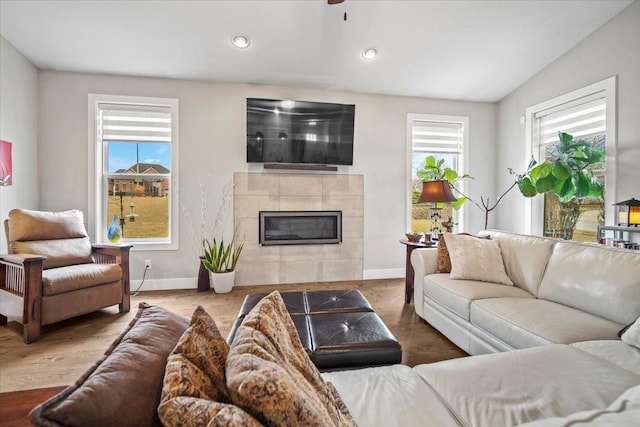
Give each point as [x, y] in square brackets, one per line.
[285, 131]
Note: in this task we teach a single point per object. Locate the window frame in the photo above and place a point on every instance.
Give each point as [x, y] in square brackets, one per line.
[98, 182]
[534, 206]
[460, 216]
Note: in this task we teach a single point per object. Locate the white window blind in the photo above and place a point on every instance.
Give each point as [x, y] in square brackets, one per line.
[433, 136]
[134, 123]
[583, 118]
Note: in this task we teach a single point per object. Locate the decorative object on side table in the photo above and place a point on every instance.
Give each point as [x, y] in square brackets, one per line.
[628, 212]
[414, 237]
[437, 191]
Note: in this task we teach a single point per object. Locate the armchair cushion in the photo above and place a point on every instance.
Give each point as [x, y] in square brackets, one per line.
[59, 236]
[59, 253]
[70, 278]
[35, 225]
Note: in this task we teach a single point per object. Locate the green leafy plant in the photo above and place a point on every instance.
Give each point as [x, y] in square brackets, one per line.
[220, 257]
[568, 174]
[433, 171]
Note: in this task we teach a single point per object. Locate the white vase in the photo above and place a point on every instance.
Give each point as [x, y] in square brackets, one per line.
[222, 283]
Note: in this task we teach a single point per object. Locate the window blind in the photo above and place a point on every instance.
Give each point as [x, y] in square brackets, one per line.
[584, 119]
[432, 136]
[134, 123]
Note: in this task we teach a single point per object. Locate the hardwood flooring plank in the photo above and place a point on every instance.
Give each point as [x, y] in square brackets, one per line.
[67, 349]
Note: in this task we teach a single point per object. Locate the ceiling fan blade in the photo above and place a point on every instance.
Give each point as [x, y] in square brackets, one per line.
[335, 1]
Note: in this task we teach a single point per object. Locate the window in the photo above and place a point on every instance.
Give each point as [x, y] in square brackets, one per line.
[444, 137]
[587, 114]
[134, 154]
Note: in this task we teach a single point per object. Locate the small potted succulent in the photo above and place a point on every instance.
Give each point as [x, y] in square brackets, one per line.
[220, 260]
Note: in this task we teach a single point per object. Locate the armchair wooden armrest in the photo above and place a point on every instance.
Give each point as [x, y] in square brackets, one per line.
[116, 254]
[21, 289]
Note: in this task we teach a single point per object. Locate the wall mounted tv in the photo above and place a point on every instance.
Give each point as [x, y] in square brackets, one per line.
[299, 132]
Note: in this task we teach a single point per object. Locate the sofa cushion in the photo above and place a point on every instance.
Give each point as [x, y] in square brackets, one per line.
[519, 386]
[390, 396]
[444, 260]
[529, 322]
[525, 257]
[64, 279]
[624, 411]
[59, 253]
[457, 295]
[270, 375]
[191, 411]
[27, 225]
[614, 351]
[194, 388]
[476, 259]
[596, 279]
[632, 335]
[123, 388]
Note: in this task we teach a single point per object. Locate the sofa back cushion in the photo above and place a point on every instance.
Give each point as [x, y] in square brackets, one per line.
[525, 257]
[596, 279]
[59, 236]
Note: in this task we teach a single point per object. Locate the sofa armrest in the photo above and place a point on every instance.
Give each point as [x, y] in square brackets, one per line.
[424, 261]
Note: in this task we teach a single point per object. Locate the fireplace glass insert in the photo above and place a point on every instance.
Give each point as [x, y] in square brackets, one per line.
[300, 227]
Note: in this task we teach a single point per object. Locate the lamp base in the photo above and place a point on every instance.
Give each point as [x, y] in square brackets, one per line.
[436, 216]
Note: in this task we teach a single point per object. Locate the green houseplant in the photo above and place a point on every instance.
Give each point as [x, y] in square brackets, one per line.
[220, 260]
[569, 173]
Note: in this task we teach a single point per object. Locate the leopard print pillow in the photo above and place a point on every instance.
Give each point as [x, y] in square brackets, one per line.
[194, 389]
[270, 375]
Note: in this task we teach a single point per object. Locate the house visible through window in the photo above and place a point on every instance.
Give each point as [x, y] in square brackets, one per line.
[443, 137]
[586, 114]
[136, 143]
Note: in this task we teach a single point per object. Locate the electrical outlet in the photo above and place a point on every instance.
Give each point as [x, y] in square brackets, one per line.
[147, 264]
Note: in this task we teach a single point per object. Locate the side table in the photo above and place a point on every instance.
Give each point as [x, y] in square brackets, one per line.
[409, 273]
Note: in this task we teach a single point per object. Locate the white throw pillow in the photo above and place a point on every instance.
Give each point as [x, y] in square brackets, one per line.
[632, 335]
[476, 259]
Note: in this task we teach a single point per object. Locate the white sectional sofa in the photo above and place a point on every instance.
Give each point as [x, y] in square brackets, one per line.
[564, 292]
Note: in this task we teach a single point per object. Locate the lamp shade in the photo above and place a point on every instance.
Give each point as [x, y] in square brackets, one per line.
[438, 191]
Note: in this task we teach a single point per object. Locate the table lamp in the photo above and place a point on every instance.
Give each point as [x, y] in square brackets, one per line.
[438, 191]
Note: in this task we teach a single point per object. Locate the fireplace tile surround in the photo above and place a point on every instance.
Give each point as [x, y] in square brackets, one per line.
[254, 192]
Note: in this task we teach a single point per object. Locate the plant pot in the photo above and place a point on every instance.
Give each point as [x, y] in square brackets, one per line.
[222, 283]
[203, 278]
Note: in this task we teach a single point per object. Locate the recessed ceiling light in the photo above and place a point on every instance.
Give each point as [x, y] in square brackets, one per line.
[369, 53]
[240, 41]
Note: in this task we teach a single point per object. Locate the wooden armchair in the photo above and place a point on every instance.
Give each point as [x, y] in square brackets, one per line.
[53, 272]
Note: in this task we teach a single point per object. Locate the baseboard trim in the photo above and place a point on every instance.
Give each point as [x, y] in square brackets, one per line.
[165, 284]
[383, 273]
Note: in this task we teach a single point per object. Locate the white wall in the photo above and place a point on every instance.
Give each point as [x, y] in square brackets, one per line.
[212, 140]
[18, 125]
[610, 50]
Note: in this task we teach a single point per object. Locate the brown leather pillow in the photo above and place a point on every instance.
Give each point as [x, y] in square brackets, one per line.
[270, 375]
[123, 388]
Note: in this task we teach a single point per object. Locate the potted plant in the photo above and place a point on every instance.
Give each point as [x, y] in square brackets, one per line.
[569, 173]
[220, 260]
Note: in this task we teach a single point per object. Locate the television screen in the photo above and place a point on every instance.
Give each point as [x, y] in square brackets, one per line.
[299, 132]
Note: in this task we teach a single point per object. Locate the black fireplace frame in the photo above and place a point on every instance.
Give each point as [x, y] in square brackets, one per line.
[262, 215]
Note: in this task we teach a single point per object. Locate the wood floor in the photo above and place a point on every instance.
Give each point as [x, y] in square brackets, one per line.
[67, 349]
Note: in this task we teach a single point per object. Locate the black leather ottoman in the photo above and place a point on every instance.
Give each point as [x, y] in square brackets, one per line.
[339, 329]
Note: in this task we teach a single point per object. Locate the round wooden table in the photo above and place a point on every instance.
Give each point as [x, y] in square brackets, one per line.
[409, 273]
